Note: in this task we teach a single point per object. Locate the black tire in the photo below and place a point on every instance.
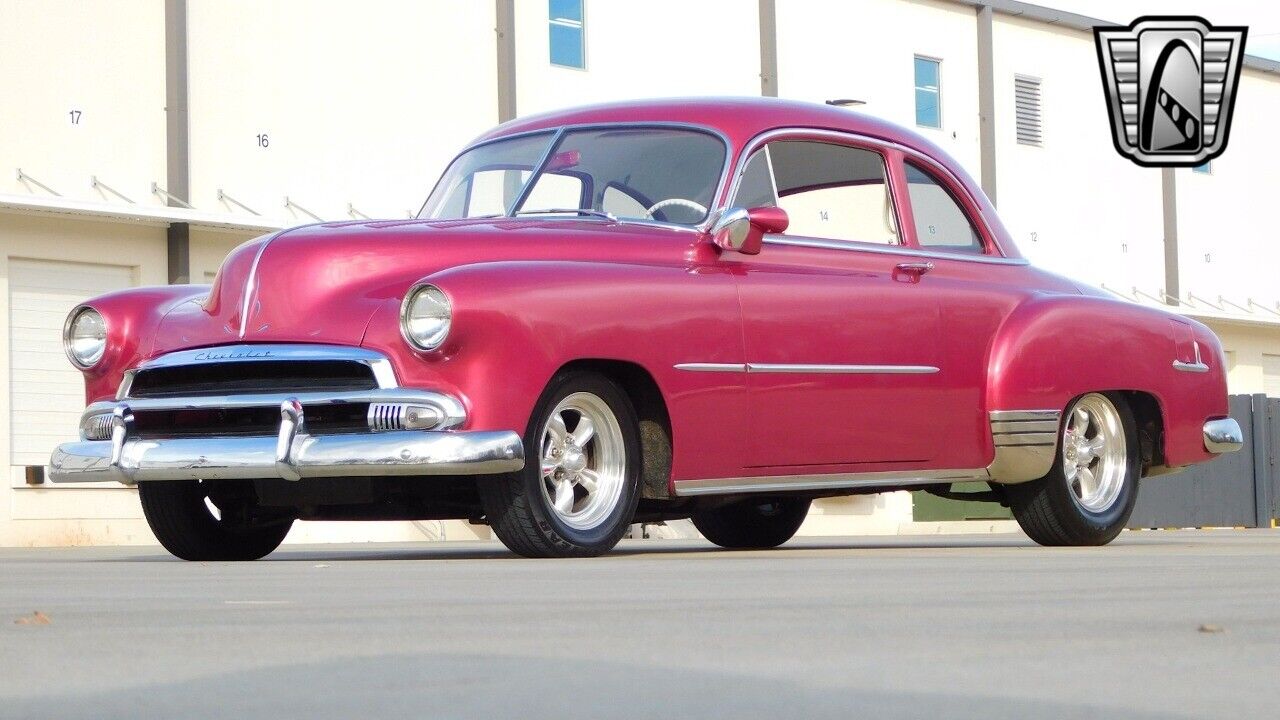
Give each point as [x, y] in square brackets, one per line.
[184, 525]
[1048, 510]
[517, 507]
[754, 523]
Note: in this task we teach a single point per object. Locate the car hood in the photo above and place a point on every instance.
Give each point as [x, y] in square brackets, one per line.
[323, 283]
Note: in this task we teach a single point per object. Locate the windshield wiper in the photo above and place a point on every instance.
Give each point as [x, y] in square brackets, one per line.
[576, 211]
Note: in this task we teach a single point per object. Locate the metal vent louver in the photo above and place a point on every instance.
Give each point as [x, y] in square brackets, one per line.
[1026, 95]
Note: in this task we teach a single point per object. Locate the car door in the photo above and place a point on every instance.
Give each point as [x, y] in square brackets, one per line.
[841, 335]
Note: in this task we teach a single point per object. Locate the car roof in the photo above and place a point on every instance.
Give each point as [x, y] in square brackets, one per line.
[739, 119]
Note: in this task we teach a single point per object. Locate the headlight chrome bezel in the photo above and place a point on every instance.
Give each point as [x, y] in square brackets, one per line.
[433, 340]
[68, 342]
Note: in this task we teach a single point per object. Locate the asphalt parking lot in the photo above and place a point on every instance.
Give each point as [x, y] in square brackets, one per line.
[1163, 624]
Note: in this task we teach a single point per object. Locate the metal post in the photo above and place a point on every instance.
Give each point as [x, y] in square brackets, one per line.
[768, 48]
[179, 237]
[1261, 462]
[505, 12]
[987, 101]
[1169, 199]
[177, 147]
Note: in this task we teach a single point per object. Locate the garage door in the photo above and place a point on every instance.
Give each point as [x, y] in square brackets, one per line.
[46, 393]
[1271, 375]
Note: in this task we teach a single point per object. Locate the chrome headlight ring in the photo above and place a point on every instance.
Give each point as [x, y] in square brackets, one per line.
[426, 317]
[84, 337]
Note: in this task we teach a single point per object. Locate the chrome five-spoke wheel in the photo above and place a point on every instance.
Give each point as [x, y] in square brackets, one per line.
[1094, 453]
[580, 485]
[584, 460]
[1090, 491]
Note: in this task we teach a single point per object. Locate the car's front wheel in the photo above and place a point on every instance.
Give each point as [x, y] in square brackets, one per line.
[754, 523]
[578, 490]
[1089, 493]
[201, 520]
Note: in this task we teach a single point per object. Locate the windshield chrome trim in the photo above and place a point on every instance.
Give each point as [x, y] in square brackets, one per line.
[541, 165]
[557, 132]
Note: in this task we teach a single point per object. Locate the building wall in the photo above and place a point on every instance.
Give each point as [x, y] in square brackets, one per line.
[361, 105]
[101, 60]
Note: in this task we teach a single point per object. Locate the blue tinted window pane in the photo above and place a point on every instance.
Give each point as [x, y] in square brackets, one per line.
[566, 46]
[566, 10]
[926, 73]
[1202, 168]
[927, 109]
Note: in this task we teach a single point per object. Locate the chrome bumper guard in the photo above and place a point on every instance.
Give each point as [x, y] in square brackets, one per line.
[1223, 436]
[292, 454]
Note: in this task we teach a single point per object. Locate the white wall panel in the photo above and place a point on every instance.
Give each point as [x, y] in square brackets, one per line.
[658, 48]
[101, 60]
[1230, 215]
[1073, 205]
[865, 50]
[361, 103]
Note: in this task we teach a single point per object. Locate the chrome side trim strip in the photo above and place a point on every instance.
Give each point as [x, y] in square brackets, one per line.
[1195, 367]
[711, 367]
[1025, 441]
[852, 246]
[816, 369]
[842, 369]
[837, 481]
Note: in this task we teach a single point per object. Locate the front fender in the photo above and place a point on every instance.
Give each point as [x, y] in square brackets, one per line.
[515, 323]
[1052, 349]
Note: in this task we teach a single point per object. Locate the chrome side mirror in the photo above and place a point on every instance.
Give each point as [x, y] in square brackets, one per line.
[743, 231]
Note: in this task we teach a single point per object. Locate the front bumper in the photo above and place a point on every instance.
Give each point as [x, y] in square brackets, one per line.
[291, 454]
[1223, 436]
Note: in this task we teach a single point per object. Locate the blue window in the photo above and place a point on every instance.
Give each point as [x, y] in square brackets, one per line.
[1203, 169]
[568, 40]
[928, 92]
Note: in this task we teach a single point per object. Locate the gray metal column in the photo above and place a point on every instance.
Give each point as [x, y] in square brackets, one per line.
[178, 179]
[505, 12]
[1261, 462]
[987, 101]
[1169, 199]
[768, 48]
[179, 236]
[177, 135]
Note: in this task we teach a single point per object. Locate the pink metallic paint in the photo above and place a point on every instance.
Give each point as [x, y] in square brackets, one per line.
[531, 295]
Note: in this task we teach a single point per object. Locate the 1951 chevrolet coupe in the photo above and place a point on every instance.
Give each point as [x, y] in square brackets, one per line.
[706, 309]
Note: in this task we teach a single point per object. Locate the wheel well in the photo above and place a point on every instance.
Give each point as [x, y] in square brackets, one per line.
[1150, 422]
[651, 410]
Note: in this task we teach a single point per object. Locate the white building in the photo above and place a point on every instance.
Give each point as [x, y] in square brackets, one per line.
[116, 115]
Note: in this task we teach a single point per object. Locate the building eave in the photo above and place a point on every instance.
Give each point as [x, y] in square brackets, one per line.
[157, 215]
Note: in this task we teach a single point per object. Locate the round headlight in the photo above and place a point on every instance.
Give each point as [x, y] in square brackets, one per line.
[85, 337]
[425, 317]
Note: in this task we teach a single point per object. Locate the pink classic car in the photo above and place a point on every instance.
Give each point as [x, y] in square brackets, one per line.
[706, 309]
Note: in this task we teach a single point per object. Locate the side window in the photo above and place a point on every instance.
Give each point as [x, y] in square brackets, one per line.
[832, 191]
[554, 191]
[619, 203]
[756, 188]
[941, 223]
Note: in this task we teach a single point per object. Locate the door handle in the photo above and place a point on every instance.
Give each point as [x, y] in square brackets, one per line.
[914, 269]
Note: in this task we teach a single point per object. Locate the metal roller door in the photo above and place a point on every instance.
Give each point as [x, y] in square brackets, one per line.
[46, 394]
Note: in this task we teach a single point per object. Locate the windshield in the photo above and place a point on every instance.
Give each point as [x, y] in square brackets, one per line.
[637, 173]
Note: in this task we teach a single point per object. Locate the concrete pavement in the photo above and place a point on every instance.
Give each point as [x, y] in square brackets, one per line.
[1159, 624]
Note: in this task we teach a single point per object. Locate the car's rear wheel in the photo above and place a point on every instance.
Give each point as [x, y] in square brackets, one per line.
[578, 490]
[753, 523]
[200, 520]
[1089, 493]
